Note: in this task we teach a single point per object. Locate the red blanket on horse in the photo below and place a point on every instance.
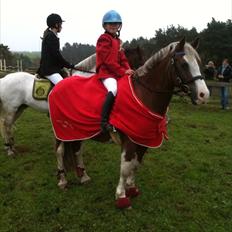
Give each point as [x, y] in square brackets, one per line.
[75, 107]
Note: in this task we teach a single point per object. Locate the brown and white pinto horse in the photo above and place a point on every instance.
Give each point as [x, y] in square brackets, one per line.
[174, 65]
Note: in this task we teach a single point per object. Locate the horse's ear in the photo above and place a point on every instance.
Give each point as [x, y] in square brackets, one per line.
[180, 45]
[195, 43]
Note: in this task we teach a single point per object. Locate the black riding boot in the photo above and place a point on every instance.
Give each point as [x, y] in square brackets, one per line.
[106, 109]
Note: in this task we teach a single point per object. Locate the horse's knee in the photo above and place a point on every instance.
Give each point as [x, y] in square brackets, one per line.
[128, 167]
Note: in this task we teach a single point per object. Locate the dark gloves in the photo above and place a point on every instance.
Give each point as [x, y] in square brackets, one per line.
[72, 66]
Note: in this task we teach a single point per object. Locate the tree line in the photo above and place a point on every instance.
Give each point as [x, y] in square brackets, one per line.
[216, 44]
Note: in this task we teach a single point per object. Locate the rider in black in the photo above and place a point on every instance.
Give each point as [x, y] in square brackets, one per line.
[52, 62]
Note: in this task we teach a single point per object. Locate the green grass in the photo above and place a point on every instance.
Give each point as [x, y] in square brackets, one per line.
[186, 184]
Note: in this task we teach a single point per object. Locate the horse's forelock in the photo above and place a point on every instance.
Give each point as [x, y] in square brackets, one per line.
[189, 50]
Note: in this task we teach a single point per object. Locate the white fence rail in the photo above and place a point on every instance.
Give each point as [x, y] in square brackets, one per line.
[4, 67]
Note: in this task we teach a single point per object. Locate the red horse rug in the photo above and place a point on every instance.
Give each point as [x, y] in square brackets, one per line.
[75, 106]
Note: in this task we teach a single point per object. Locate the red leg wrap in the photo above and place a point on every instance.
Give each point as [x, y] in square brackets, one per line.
[123, 203]
[132, 192]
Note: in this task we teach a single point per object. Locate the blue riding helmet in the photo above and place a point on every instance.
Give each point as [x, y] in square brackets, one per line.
[111, 17]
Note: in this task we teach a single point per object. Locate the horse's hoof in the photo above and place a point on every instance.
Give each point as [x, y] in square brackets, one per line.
[62, 185]
[84, 179]
[123, 203]
[11, 153]
[132, 192]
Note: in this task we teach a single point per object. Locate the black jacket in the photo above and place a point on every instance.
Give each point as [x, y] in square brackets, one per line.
[210, 73]
[227, 74]
[51, 59]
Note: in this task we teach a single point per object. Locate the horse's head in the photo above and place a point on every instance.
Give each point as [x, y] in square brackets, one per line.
[135, 57]
[186, 62]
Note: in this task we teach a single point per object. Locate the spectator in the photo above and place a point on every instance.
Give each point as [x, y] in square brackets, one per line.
[224, 74]
[210, 73]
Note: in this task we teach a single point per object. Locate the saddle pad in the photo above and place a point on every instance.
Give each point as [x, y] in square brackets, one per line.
[41, 89]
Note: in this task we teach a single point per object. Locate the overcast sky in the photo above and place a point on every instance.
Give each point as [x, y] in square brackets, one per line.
[22, 22]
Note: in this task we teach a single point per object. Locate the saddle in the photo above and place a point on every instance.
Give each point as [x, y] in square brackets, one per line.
[41, 88]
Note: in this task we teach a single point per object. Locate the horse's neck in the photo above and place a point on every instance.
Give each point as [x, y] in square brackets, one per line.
[88, 64]
[155, 91]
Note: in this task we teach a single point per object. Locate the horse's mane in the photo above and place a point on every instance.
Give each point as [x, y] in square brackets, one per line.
[162, 54]
[88, 64]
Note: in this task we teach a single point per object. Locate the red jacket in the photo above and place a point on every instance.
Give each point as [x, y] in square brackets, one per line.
[110, 60]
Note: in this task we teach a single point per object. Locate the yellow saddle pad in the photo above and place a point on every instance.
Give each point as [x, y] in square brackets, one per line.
[41, 89]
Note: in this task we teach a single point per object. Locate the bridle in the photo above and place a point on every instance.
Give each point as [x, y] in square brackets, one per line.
[182, 84]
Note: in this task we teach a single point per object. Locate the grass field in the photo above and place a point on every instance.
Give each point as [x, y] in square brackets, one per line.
[186, 184]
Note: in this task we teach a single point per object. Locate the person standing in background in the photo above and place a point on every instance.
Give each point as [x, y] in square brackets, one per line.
[224, 74]
[210, 72]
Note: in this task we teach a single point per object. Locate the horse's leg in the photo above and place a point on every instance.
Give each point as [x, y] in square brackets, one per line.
[122, 201]
[131, 189]
[80, 168]
[62, 182]
[131, 158]
[7, 121]
[128, 164]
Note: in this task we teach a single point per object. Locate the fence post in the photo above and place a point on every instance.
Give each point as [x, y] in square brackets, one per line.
[4, 64]
[21, 65]
[0, 64]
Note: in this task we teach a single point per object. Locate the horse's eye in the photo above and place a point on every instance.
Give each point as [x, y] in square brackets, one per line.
[185, 66]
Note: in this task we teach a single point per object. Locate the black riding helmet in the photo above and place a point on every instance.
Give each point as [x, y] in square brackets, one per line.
[53, 19]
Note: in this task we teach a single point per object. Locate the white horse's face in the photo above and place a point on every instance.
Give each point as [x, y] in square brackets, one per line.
[199, 85]
[187, 61]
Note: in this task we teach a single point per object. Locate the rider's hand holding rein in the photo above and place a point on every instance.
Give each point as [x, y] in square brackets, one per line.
[130, 72]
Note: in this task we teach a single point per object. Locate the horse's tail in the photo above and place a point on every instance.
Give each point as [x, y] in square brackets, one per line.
[70, 160]
[69, 157]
